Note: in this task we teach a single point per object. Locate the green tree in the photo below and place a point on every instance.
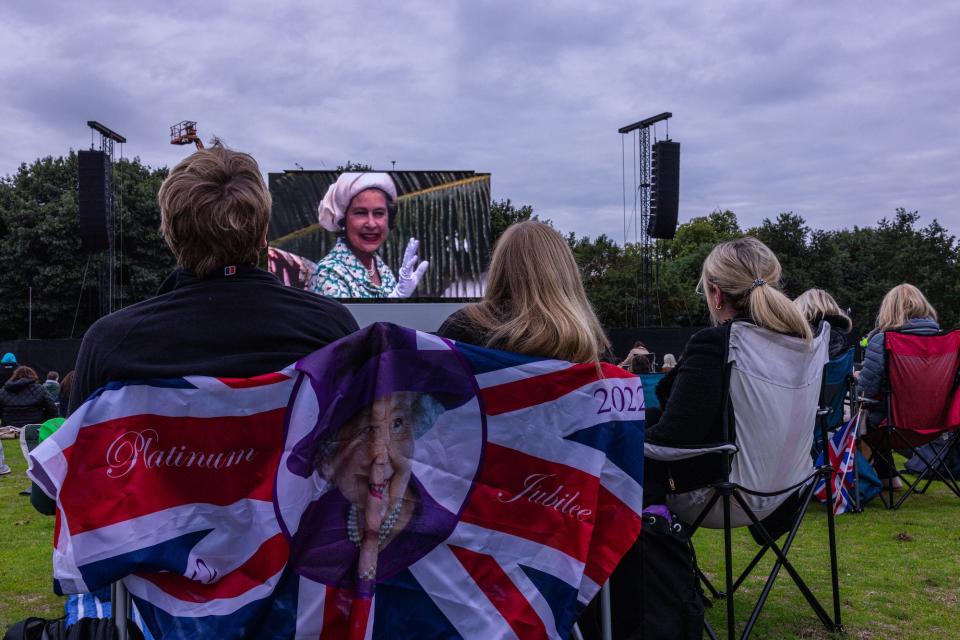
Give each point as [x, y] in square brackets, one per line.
[503, 214]
[789, 238]
[40, 246]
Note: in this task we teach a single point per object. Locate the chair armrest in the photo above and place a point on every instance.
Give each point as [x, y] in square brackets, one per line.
[666, 454]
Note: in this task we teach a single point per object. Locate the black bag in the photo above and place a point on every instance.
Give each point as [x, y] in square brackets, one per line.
[83, 629]
[654, 591]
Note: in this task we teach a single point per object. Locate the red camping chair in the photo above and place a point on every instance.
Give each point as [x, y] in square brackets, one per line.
[922, 404]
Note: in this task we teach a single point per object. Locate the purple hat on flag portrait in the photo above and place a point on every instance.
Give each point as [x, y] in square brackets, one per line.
[384, 438]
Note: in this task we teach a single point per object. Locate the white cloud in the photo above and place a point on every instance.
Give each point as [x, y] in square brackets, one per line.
[839, 112]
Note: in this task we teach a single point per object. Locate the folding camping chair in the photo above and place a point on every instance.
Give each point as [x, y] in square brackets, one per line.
[839, 389]
[650, 382]
[922, 404]
[775, 384]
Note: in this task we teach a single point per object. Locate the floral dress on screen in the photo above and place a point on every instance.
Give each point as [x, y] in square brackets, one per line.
[341, 275]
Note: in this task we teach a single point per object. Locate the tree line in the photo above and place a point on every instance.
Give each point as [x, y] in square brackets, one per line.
[857, 266]
[40, 251]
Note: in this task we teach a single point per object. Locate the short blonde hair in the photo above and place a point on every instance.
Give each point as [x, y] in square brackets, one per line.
[534, 301]
[817, 304]
[214, 210]
[748, 273]
[902, 303]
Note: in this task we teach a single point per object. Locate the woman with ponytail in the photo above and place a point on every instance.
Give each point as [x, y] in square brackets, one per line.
[740, 281]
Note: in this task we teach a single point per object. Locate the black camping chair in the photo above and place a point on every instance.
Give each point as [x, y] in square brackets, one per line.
[766, 460]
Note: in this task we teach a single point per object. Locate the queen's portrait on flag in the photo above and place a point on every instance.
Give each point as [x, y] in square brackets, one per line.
[369, 514]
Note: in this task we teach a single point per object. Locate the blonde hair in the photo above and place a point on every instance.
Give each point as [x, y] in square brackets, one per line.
[817, 304]
[535, 302]
[902, 303]
[748, 273]
[214, 210]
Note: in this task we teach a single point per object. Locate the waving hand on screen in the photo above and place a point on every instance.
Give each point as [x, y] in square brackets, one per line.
[410, 271]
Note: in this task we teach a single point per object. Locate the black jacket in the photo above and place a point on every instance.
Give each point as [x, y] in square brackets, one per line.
[242, 325]
[23, 402]
[239, 326]
[840, 327]
[693, 396]
[459, 327]
[6, 370]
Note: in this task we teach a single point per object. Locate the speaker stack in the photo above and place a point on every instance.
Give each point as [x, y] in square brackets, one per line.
[664, 189]
[95, 195]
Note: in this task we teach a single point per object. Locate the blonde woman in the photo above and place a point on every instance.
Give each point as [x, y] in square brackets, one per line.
[534, 303]
[904, 309]
[817, 306]
[740, 281]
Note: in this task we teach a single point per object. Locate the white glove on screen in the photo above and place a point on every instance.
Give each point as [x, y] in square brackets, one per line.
[410, 271]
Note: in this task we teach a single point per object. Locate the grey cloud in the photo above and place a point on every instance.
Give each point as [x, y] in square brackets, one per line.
[837, 112]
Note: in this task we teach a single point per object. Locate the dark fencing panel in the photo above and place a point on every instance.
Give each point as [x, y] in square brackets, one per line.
[44, 355]
[659, 340]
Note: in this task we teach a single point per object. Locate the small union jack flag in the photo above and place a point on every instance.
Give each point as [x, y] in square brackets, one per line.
[842, 450]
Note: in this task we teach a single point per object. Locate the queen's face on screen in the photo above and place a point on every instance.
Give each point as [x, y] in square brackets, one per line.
[366, 221]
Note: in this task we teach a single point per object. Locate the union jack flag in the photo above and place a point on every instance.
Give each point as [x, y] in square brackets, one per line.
[842, 450]
[391, 485]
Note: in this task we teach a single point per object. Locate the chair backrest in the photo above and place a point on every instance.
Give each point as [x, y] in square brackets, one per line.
[922, 372]
[836, 383]
[650, 382]
[775, 386]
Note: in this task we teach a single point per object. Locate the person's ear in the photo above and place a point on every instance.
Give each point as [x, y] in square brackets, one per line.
[263, 240]
[718, 298]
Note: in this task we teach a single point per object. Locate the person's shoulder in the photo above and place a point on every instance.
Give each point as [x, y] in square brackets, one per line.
[458, 326]
[315, 305]
[711, 336]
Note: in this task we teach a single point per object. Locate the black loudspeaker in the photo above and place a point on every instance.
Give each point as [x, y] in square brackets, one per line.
[664, 189]
[96, 199]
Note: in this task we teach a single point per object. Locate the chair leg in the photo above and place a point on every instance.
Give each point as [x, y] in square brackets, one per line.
[774, 572]
[782, 558]
[832, 541]
[728, 567]
[606, 614]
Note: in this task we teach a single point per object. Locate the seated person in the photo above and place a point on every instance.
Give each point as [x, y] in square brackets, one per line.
[638, 349]
[534, 302]
[23, 401]
[669, 362]
[817, 306]
[903, 309]
[740, 281]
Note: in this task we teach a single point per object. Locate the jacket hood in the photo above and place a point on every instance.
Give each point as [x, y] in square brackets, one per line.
[922, 325]
[839, 323]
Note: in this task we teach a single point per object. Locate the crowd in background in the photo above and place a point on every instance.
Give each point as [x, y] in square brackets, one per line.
[535, 303]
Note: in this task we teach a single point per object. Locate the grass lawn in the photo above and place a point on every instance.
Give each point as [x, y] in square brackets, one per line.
[26, 571]
[899, 570]
[899, 573]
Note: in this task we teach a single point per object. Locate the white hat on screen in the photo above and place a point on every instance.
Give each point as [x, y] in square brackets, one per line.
[334, 205]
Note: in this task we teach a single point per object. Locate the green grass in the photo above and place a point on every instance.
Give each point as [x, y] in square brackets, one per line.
[899, 570]
[26, 540]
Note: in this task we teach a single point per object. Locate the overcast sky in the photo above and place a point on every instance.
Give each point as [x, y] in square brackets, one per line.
[840, 112]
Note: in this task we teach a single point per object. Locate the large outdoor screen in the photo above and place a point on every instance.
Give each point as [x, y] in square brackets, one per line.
[448, 212]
